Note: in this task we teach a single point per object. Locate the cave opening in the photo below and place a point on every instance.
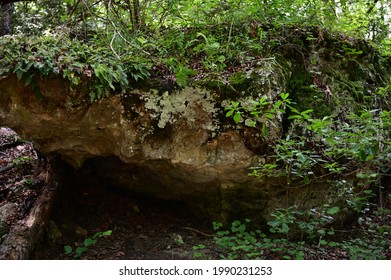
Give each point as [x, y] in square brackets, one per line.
[140, 226]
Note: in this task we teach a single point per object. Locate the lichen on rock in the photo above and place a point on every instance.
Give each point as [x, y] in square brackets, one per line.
[167, 107]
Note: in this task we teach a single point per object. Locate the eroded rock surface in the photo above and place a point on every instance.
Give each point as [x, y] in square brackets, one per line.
[175, 145]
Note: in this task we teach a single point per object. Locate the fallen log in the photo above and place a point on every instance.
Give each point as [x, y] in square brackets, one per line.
[24, 234]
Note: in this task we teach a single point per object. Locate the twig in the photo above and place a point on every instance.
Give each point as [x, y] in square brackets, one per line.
[130, 43]
[111, 46]
[199, 232]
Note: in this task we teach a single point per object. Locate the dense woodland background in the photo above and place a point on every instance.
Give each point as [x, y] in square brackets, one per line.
[369, 19]
[184, 37]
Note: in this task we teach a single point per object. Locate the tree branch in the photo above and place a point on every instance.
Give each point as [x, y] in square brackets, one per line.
[370, 9]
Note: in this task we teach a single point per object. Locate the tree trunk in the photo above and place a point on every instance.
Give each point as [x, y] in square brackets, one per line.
[136, 10]
[6, 12]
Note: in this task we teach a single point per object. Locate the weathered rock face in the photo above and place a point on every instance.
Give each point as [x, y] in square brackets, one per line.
[167, 145]
[173, 145]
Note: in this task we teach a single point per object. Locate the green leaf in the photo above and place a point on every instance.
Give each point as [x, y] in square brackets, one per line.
[107, 233]
[215, 45]
[265, 130]
[230, 113]
[217, 225]
[361, 175]
[363, 155]
[235, 104]
[277, 105]
[321, 231]
[237, 117]
[251, 123]
[29, 80]
[307, 111]
[19, 73]
[333, 210]
[68, 250]
[92, 96]
[269, 115]
[368, 192]
[284, 96]
[300, 255]
[80, 250]
[89, 242]
[182, 74]
[263, 101]
[285, 228]
[295, 117]
[323, 242]
[199, 247]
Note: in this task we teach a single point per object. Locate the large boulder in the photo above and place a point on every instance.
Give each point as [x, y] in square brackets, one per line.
[170, 143]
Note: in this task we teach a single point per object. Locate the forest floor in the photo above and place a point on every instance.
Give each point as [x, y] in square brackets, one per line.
[140, 228]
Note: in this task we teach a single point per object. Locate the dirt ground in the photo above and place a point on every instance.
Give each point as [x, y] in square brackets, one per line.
[142, 228]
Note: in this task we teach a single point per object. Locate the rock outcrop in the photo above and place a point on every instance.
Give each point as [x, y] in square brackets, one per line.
[170, 144]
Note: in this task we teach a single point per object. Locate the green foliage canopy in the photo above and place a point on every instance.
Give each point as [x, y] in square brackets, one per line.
[109, 42]
[362, 18]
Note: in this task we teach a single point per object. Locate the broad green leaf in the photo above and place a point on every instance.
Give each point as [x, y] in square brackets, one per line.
[323, 242]
[285, 228]
[80, 250]
[107, 233]
[87, 242]
[277, 105]
[251, 123]
[229, 113]
[295, 117]
[235, 104]
[321, 231]
[68, 250]
[333, 210]
[237, 117]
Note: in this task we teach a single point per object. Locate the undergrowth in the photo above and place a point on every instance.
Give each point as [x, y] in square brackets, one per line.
[84, 246]
[302, 235]
[352, 157]
[183, 56]
[54, 55]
